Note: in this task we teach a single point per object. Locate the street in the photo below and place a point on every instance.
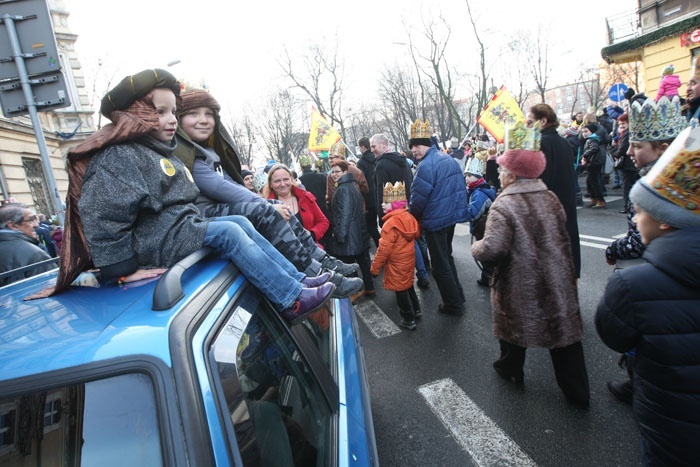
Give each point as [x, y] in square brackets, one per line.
[436, 399]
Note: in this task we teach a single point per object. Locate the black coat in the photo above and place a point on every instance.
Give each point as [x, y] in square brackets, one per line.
[623, 145]
[366, 164]
[350, 237]
[655, 309]
[560, 178]
[391, 167]
[315, 183]
[17, 250]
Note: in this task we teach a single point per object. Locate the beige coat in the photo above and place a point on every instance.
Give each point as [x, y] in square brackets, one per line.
[534, 299]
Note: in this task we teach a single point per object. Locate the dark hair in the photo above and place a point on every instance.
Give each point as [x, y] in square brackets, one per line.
[364, 142]
[541, 111]
[592, 127]
[342, 164]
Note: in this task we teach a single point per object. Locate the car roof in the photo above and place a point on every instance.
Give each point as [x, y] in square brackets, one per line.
[85, 325]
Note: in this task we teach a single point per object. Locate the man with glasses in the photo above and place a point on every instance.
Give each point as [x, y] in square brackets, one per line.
[19, 244]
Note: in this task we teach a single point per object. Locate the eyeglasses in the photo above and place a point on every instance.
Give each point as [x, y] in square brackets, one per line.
[30, 219]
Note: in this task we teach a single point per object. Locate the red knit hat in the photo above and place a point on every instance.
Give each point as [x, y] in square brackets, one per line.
[523, 163]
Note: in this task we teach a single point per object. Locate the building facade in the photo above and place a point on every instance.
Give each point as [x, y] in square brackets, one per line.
[22, 175]
[656, 34]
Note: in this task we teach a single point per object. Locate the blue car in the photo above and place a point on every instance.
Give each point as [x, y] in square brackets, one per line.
[194, 368]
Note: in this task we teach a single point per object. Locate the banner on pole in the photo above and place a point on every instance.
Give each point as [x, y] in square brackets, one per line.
[501, 110]
[321, 135]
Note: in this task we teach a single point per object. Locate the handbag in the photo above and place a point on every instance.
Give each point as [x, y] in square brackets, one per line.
[608, 161]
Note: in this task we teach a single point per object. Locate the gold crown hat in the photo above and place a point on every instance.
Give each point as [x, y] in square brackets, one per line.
[670, 192]
[420, 133]
[519, 136]
[337, 149]
[656, 121]
[395, 192]
[522, 156]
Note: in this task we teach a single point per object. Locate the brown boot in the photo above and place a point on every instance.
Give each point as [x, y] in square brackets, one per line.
[599, 205]
[593, 204]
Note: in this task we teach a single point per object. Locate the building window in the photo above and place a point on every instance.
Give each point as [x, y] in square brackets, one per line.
[37, 185]
[52, 413]
[8, 415]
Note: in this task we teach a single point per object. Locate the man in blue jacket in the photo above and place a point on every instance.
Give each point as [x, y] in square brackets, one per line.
[438, 202]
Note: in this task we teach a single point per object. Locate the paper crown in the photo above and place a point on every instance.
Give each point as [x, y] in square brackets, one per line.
[477, 164]
[304, 161]
[656, 121]
[337, 149]
[520, 136]
[670, 192]
[395, 192]
[420, 129]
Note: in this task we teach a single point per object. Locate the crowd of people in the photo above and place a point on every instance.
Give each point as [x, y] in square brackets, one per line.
[164, 179]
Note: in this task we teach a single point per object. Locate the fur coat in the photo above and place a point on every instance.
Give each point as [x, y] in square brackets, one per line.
[534, 298]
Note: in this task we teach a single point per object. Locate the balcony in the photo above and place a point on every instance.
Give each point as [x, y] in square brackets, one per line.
[623, 26]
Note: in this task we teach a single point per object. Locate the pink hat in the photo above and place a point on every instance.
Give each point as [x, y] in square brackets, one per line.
[523, 163]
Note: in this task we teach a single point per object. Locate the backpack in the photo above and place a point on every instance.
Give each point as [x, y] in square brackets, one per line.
[478, 225]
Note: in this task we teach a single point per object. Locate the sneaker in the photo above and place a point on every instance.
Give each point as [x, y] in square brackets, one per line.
[423, 283]
[308, 301]
[409, 324]
[345, 286]
[335, 265]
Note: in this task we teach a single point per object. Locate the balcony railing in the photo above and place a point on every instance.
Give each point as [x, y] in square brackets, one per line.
[623, 26]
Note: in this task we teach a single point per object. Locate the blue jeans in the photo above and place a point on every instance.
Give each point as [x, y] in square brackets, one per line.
[235, 238]
[421, 272]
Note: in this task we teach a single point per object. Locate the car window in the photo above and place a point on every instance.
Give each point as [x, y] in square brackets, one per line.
[107, 422]
[275, 406]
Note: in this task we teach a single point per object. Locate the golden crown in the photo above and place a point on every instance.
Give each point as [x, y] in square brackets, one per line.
[395, 192]
[656, 121]
[675, 175]
[337, 149]
[420, 129]
[520, 136]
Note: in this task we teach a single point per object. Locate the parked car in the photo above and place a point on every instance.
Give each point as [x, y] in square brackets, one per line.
[194, 368]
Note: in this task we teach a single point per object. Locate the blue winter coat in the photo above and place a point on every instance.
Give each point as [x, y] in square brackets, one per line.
[480, 198]
[655, 308]
[438, 192]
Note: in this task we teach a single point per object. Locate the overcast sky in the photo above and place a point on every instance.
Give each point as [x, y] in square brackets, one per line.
[234, 46]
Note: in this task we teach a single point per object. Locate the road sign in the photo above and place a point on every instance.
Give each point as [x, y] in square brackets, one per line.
[617, 92]
[36, 39]
[49, 92]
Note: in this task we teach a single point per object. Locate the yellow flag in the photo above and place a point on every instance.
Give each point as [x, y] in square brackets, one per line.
[322, 135]
[501, 110]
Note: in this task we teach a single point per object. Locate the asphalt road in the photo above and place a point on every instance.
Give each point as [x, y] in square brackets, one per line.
[437, 401]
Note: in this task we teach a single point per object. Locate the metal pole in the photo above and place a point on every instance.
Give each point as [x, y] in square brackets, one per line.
[31, 107]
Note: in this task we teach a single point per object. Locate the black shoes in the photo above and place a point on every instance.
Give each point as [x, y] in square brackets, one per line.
[518, 379]
[409, 324]
[447, 311]
[483, 282]
[621, 390]
[345, 286]
[335, 265]
[423, 283]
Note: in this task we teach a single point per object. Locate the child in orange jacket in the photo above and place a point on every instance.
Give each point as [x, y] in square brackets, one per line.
[396, 255]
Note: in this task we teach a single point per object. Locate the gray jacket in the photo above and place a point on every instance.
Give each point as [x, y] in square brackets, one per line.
[137, 208]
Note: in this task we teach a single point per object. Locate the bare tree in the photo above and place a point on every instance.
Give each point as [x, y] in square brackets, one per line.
[400, 103]
[321, 79]
[243, 134]
[536, 50]
[590, 81]
[281, 127]
[481, 93]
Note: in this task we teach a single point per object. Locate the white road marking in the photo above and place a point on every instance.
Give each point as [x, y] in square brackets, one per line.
[594, 245]
[378, 323]
[600, 239]
[462, 230]
[485, 442]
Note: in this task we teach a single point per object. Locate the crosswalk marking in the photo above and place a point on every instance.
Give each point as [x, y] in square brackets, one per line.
[485, 442]
[378, 323]
[591, 237]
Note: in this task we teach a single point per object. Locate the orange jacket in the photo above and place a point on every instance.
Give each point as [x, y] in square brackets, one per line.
[396, 252]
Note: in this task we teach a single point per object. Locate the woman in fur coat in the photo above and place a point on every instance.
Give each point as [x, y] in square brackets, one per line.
[534, 297]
